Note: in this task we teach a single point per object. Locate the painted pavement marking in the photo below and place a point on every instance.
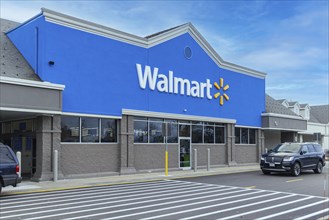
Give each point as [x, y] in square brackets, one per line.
[174, 199]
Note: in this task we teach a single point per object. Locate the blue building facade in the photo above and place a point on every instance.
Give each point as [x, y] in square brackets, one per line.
[120, 91]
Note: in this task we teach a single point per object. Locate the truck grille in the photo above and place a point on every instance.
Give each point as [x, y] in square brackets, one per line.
[273, 159]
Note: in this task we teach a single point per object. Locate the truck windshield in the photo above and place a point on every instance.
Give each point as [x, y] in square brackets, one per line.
[287, 148]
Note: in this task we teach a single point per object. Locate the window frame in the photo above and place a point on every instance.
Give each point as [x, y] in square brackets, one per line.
[99, 141]
[248, 136]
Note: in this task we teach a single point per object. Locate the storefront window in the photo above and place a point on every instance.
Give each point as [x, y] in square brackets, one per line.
[244, 135]
[219, 135]
[89, 129]
[172, 131]
[22, 126]
[237, 135]
[252, 136]
[70, 127]
[184, 130]
[208, 133]
[6, 128]
[108, 130]
[140, 131]
[197, 132]
[155, 130]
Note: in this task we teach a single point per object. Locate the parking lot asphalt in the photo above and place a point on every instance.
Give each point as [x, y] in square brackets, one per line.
[164, 199]
[63, 184]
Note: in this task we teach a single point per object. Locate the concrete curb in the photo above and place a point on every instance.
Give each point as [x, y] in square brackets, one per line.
[42, 187]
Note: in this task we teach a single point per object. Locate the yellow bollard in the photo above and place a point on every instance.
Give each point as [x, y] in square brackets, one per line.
[166, 163]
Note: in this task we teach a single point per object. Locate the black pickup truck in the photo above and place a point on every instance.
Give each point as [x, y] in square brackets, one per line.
[9, 167]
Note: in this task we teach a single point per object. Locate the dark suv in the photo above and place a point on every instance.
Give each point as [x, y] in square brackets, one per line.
[8, 167]
[293, 158]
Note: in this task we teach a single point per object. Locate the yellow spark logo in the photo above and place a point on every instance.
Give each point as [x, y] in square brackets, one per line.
[218, 87]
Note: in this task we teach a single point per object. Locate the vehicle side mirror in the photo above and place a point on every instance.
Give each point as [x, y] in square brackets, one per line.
[303, 152]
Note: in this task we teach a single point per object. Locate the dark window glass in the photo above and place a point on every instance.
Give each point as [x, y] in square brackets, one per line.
[89, 129]
[70, 127]
[310, 148]
[219, 135]
[244, 135]
[109, 130]
[318, 148]
[156, 132]
[6, 156]
[140, 132]
[208, 134]
[197, 133]
[237, 136]
[184, 130]
[305, 148]
[173, 133]
[252, 136]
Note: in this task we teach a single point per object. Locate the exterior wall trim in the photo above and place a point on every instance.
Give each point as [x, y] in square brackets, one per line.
[90, 27]
[31, 83]
[283, 116]
[318, 124]
[282, 129]
[31, 110]
[90, 115]
[176, 116]
[243, 126]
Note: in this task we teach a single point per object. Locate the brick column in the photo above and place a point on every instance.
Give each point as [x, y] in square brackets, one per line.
[260, 143]
[127, 157]
[230, 143]
[47, 140]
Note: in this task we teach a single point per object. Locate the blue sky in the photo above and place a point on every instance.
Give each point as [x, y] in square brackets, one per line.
[288, 40]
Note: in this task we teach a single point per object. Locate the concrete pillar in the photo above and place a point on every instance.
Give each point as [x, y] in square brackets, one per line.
[230, 144]
[127, 157]
[47, 140]
[300, 138]
[260, 143]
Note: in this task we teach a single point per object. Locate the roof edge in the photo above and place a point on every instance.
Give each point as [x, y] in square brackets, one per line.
[24, 23]
[31, 83]
[83, 25]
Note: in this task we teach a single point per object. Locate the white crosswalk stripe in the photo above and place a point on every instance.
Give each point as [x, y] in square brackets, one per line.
[167, 199]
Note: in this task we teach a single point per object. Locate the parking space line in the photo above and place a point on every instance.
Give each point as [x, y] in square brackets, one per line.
[56, 191]
[263, 209]
[95, 192]
[80, 191]
[292, 210]
[236, 207]
[294, 180]
[115, 206]
[190, 204]
[312, 214]
[154, 194]
[296, 194]
[250, 187]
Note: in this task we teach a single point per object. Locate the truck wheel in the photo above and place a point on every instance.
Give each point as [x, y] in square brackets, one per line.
[295, 171]
[318, 168]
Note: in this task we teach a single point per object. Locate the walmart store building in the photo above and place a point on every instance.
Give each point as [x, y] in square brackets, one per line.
[101, 96]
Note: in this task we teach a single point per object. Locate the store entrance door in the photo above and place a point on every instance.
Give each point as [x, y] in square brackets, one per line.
[26, 144]
[185, 153]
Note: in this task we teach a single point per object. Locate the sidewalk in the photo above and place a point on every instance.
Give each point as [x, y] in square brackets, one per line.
[29, 187]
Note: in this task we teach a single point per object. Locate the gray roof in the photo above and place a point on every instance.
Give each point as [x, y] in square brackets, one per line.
[303, 105]
[13, 63]
[320, 113]
[275, 106]
[292, 103]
